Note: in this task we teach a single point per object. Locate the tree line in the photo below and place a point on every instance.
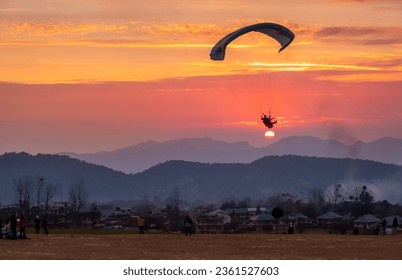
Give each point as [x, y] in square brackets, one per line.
[34, 195]
[336, 198]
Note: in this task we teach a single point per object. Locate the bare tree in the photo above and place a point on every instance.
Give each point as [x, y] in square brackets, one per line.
[23, 188]
[316, 196]
[38, 190]
[335, 195]
[78, 195]
[315, 202]
[48, 193]
[173, 210]
[363, 203]
[95, 214]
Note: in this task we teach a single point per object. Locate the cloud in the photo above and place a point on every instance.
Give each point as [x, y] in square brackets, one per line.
[40, 29]
[367, 1]
[120, 33]
[316, 66]
[361, 35]
[10, 10]
[158, 32]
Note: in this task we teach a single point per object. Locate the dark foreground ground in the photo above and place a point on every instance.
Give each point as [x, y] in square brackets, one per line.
[203, 247]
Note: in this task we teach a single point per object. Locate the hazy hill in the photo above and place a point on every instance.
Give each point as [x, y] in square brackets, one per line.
[103, 182]
[139, 157]
[387, 149]
[271, 175]
[259, 179]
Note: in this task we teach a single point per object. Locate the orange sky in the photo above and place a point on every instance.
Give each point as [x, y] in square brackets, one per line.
[96, 75]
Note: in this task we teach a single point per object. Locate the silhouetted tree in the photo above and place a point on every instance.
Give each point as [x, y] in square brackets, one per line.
[78, 195]
[23, 188]
[206, 208]
[316, 196]
[383, 208]
[363, 203]
[144, 207]
[173, 211]
[228, 205]
[335, 195]
[277, 213]
[38, 190]
[49, 192]
[95, 214]
[258, 211]
[245, 203]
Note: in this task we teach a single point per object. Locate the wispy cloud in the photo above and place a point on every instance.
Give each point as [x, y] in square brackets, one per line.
[306, 66]
[367, 1]
[48, 29]
[154, 32]
[388, 76]
[369, 35]
[9, 10]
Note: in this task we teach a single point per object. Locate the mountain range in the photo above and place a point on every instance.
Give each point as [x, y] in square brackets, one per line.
[211, 182]
[140, 157]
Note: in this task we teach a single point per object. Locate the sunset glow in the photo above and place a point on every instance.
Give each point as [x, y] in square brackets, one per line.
[269, 134]
[120, 72]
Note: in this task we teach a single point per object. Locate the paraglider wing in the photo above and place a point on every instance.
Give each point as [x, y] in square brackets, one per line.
[280, 33]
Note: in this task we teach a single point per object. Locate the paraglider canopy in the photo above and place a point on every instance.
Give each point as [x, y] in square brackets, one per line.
[278, 32]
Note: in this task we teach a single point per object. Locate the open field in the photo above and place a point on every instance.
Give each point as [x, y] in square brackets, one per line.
[203, 246]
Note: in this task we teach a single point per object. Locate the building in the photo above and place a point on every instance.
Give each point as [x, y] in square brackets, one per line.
[212, 222]
[366, 222]
[329, 218]
[263, 222]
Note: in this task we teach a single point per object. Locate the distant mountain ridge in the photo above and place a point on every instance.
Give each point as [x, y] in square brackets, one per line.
[212, 182]
[140, 157]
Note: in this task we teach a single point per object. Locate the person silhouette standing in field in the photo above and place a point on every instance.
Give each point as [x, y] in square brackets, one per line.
[13, 226]
[383, 226]
[23, 226]
[45, 226]
[37, 224]
[394, 225]
[291, 229]
[140, 222]
[188, 224]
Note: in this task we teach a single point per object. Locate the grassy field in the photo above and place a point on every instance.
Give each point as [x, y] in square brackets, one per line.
[104, 245]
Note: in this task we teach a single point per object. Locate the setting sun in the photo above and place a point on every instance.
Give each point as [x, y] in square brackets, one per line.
[269, 134]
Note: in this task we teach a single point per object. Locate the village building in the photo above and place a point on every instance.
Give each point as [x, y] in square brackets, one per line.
[368, 222]
[212, 222]
[299, 221]
[329, 218]
[332, 222]
[298, 217]
[263, 222]
[246, 212]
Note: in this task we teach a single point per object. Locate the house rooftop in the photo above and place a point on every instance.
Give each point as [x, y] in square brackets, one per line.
[329, 216]
[367, 219]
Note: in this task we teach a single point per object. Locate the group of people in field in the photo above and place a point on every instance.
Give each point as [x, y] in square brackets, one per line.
[188, 225]
[382, 228]
[9, 229]
[389, 231]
